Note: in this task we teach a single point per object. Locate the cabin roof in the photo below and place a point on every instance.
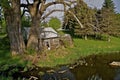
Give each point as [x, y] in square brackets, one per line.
[47, 32]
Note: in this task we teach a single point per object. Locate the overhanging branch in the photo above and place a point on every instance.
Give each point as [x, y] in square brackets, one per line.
[24, 5]
[27, 1]
[51, 13]
[24, 12]
[76, 18]
[58, 2]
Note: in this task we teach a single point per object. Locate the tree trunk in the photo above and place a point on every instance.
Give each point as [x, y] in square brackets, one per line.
[86, 37]
[13, 22]
[34, 41]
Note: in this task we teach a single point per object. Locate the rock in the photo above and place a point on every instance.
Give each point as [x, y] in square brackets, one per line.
[115, 63]
[66, 40]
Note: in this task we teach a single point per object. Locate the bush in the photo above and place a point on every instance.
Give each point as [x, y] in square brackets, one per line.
[4, 43]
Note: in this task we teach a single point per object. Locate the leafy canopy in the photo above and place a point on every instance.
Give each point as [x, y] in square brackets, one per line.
[55, 23]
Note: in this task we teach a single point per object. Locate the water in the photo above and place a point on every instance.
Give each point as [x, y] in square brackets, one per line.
[98, 68]
[94, 67]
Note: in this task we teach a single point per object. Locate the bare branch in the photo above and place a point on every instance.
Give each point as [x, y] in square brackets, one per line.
[41, 7]
[24, 5]
[76, 18]
[51, 13]
[24, 12]
[45, 6]
[27, 1]
[56, 2]
[96, 28]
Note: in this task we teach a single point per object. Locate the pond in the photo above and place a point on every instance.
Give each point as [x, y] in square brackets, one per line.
[94, 67]
[98, 68]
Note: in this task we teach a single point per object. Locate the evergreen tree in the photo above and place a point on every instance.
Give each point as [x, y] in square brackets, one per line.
[108, 17]
[85, 15]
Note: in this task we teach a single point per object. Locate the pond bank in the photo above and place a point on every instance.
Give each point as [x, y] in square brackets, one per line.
[93, 66]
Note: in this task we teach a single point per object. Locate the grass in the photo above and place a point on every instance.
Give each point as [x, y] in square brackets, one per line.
[82, 48]
[6, 60]
[61, 56]
[86, 47]
[8, 63]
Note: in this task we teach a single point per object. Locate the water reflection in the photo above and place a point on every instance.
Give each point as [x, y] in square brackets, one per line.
[117, 77]
[62, 74]
[98, 68]
[95, 77]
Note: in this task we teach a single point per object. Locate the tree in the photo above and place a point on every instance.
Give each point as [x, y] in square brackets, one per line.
[106, 18]
[55, 23]
[85, 15]
[37, 10]
[26, 21]
[117, 25]
[11, 9]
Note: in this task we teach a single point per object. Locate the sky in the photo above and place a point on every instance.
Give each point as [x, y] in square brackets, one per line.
[94, 3]
[117, 5]
[91, 3]
[98, 4]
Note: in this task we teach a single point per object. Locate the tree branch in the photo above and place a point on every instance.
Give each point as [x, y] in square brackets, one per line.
[57, 2]
[76, 18]
[24, 12]
[24, 5]
[51, 13]
[45, 6]
[27, 2]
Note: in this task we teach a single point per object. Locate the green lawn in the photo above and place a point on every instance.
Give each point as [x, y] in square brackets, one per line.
[82, 48]
[86, 47]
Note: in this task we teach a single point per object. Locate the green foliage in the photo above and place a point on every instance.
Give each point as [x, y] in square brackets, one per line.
[104, 21]
[45, 24]
[4, 42]
[30, 51]
[2, 23]
[108, 4]
[10, 65]
[5, 3]
[3, 26]
[2, 77]
[26, 21]
[55, 23]
[5, 78]
[85, 16]
[107, 18]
